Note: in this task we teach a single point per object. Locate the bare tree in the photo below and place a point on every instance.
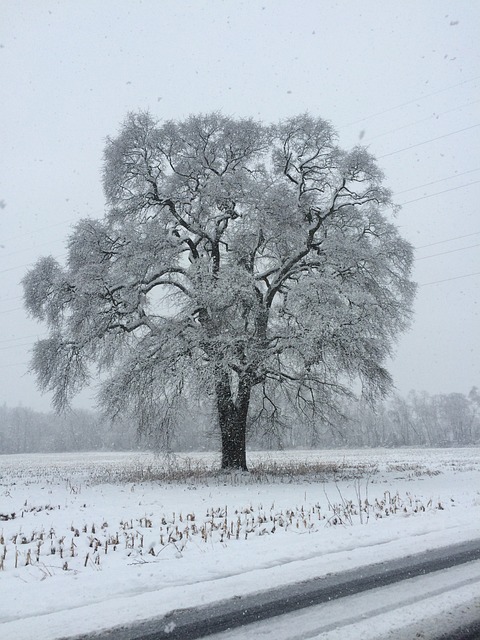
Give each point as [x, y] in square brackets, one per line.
[234, 257]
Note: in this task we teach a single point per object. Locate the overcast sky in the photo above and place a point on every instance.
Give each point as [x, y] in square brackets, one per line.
[401, 77]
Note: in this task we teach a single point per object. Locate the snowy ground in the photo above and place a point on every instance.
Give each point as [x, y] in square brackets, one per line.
[89, 541]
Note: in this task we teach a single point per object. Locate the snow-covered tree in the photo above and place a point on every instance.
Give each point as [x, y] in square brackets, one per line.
[236, 259]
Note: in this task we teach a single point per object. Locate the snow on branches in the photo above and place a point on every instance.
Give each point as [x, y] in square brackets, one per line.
[234, 257]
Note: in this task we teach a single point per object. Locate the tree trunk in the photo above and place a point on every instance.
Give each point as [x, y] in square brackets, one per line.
[232, 417]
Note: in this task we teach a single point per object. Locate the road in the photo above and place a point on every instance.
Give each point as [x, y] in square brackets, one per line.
[350, 596]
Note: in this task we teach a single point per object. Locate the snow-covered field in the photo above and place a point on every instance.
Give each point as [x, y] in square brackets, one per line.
[89, 541]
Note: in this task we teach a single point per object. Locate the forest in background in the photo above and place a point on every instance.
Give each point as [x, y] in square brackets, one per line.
[419, 419]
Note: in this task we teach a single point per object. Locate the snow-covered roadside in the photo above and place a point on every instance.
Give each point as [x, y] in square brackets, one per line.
[139, 578]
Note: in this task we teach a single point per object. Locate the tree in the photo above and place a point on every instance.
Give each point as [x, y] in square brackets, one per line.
[459, 417]
[236, 259]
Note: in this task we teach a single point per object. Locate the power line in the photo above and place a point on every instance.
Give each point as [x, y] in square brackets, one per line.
[16, 346]
[42, 244]
[10, 310]
[468, 275]
[434, 255]
[432, 244]
[33, 335]
[10, 299]
[427, 184]
[29, 264]
[437, 193]
[419, 144]
[411, 124]
[404, 104]
[20, 266]
[35, 231]
[14, 364]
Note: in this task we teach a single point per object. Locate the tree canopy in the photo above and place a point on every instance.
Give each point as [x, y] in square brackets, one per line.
[236, 259]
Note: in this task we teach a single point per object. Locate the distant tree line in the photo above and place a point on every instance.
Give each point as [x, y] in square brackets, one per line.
[419, 419]
[23, 430]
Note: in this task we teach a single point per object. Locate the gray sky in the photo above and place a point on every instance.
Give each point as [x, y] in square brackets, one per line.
[402, 77]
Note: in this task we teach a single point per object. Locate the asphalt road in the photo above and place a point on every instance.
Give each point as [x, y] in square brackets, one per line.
[467, 632]
[192, 624]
